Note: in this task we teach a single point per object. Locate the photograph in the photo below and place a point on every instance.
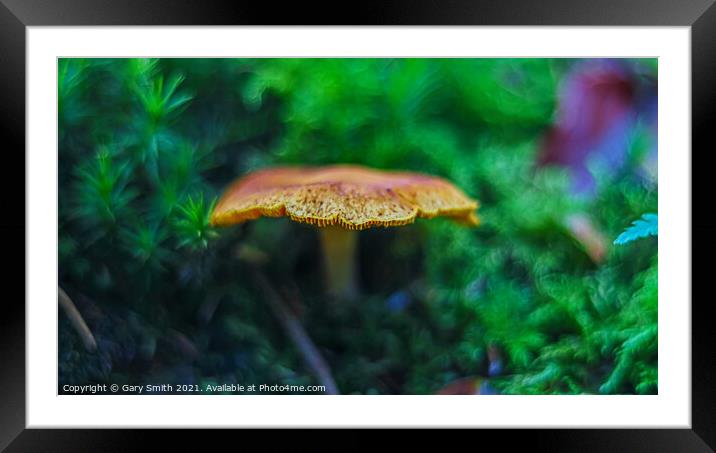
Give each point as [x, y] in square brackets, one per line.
[357, 226]
[416, 217]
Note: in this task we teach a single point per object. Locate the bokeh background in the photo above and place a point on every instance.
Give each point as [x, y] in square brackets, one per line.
[555, 292]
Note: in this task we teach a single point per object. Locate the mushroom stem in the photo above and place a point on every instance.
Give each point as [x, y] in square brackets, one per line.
[339, 249]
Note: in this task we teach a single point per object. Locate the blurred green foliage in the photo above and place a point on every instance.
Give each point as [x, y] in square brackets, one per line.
[146, 146]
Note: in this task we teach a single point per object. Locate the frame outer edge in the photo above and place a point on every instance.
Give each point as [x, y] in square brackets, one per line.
[703, 111]
[398, 12]
[12, 320]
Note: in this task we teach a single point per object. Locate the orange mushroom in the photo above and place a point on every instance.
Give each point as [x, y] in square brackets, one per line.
[341, 199]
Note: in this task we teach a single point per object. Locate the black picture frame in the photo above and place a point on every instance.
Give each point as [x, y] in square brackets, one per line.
[16, 15]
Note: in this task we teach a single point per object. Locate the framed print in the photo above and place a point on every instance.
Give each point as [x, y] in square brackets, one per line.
[394, 225]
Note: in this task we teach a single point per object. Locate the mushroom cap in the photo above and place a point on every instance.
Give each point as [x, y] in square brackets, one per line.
[349, 196]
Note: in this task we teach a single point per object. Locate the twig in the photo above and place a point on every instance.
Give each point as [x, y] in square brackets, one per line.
[298, 335]
[76, 320]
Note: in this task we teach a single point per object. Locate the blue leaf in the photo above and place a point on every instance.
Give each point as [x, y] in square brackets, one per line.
[648, 225]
